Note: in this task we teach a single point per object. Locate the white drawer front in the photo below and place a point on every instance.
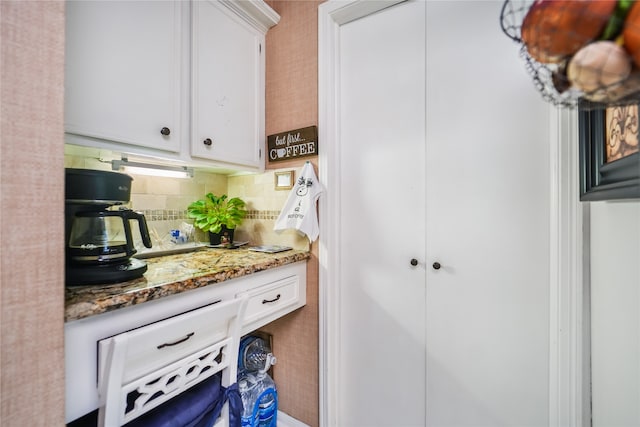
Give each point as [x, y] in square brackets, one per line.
[272, 300]
[163, 342]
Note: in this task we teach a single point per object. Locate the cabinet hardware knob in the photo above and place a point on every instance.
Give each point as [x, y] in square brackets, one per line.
[207, 141]
[181, 340]
[266, 301]
[165, 131]
[414, 262]
[436, 265]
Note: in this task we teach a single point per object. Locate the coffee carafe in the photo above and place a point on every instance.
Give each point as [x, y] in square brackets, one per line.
[99, 242]
[104, 236]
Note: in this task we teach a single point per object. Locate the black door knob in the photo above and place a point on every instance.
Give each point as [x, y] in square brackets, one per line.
[207, 141]
[436, 266]
[414, 262]
[165, 131]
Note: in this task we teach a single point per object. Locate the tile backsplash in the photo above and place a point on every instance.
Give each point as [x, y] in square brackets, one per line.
[164, 203]
[263, 204]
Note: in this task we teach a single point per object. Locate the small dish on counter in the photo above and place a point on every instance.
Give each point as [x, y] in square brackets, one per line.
[234, 245]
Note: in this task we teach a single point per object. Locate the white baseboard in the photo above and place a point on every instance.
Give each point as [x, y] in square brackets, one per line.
[285, 420]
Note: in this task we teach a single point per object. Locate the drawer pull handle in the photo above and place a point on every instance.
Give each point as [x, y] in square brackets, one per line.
[267, 301]
[171, 344]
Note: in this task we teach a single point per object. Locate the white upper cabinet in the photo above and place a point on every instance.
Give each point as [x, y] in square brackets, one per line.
[122, 74]
[175, 80]
[227, 86]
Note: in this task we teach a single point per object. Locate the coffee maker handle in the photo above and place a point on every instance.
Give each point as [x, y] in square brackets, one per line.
[142, 222]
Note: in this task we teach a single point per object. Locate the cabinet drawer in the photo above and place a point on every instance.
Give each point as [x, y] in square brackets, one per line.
[271, 301]
[158, 344]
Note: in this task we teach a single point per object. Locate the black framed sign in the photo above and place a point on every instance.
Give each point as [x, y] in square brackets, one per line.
[293, 144]
[609, 152]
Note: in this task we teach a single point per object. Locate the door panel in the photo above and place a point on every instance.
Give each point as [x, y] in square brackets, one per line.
[487, 224]
[615, 314]
[382, 211]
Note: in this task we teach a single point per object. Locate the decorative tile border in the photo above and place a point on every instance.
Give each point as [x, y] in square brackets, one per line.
[164, 214]
[175, 214]
[273, 215]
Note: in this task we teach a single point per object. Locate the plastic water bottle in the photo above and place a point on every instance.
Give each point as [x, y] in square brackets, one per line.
[257, 388]
[267, 398]
[247, 394]
[255, 355]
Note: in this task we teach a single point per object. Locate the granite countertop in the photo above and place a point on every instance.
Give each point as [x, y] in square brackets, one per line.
[168, 275]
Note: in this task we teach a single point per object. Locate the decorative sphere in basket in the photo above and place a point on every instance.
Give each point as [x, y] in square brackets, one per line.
[579, 48]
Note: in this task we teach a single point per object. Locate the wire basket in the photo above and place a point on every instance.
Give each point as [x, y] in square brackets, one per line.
[567, 64]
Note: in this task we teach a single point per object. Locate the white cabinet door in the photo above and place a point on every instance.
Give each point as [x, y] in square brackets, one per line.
[227, 86]
[122, 74]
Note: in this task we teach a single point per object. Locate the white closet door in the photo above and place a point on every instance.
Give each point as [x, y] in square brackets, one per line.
[487, 224]
[382, 216]
[442, 157]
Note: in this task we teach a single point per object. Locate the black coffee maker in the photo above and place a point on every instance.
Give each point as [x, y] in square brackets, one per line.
[99, 242]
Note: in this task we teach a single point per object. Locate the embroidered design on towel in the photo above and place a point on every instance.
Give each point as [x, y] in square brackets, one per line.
[299, 212]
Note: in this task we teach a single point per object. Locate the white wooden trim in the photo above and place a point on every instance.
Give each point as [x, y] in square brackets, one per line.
[256, 12]
[342, 12]
[328, 251]
[569, 395]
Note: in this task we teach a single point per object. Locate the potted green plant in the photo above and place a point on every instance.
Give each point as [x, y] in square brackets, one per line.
[217, 215]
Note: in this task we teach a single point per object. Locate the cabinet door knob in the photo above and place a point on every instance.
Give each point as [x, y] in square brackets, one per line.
[165, 131]
[207, 141]
[414, 262]
[436, 265]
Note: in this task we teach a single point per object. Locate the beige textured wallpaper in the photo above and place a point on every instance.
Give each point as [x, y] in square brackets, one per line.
[31, 160]
[292, 70]
[31, 213]
[292, 103]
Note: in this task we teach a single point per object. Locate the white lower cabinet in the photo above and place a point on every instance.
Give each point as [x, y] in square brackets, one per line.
[271, 294]
[178, 81]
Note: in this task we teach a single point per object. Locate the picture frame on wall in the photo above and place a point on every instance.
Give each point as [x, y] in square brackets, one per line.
[284, 180]
[609, 152]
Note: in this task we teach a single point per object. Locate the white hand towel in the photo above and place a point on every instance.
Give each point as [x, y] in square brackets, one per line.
[299, 212]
